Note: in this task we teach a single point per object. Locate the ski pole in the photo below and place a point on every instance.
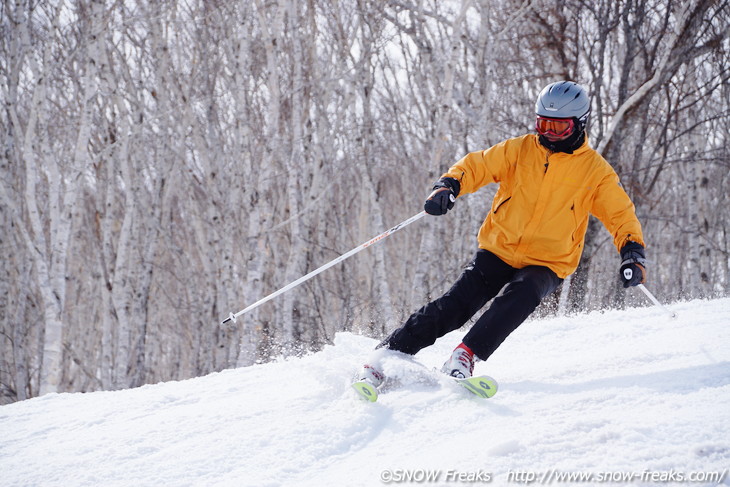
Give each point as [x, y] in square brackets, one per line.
[232, 317]
[656, 301]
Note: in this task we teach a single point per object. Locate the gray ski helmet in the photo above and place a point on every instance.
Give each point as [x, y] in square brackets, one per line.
[564, 99]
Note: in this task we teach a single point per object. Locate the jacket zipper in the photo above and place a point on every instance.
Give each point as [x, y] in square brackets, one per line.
[575, 222]
[500, 205]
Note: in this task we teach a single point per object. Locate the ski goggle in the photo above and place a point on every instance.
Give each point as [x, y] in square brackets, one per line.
[554, 126]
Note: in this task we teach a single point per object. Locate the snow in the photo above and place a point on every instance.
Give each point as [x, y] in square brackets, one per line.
[626, 397]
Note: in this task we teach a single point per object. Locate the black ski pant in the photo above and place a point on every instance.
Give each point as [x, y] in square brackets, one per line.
[487, 275]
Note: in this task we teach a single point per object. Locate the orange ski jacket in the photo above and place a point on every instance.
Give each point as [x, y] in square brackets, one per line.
[539, 215]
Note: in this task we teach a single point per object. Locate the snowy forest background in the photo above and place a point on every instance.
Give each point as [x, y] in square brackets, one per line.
[166, 163]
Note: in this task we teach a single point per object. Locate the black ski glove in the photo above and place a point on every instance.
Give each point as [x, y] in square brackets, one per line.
[443, 196]
[633, 264]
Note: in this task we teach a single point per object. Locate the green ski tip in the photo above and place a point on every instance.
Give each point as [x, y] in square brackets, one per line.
[366, 390]
[482, 386]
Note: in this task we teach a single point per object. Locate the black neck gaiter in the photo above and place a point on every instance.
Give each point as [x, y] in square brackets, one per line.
[568, 145]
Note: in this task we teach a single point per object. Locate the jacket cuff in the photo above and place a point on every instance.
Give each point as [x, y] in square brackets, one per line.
[633, 253]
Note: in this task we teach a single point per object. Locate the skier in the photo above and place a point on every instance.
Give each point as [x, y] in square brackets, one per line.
[532, 237]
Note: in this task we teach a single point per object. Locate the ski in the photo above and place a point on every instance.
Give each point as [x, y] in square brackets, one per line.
[481, 386]
[366, 390]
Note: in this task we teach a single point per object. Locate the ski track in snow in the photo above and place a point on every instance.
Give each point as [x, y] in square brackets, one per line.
[616, 392]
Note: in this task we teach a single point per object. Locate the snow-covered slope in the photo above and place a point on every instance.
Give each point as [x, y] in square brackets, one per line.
[603, 395]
